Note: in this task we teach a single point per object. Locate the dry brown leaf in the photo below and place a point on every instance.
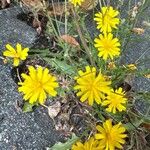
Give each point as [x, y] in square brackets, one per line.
[58, 9]
[8, 1]
[4, 3]
[39, 30]
[146, 126]
[35, 5]
[146, 23]
[70, 40]
[138, 30]
[36, 23]
[54, 109]
[88, 4]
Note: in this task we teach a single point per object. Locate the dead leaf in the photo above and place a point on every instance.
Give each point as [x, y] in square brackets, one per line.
[58, 9]
[70, 40]
[36, 23]
[88, 4]
[146, 23]
[138, 31]
[35, 5]
[8, 1]
[146, 126]
[4, 3]
[39, 30]
[54, 109]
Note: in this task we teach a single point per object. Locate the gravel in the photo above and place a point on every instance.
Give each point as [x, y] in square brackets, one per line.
[18, 130]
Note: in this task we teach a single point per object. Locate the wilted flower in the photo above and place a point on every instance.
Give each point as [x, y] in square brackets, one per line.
[111, 65]
[138, 31]
[132, 67]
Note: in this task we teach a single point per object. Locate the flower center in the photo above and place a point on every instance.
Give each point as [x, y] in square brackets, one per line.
[107, 19]
[108, 136]
[116, 100]
[16, 55]
[91, 86]
[39, 85]
[107, 45]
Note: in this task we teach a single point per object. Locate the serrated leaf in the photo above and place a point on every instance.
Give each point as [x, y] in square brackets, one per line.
[131, 126]
[61, 65]
[64, 146]
[39, 51]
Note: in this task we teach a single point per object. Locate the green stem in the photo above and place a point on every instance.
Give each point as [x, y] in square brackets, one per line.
[88, 51]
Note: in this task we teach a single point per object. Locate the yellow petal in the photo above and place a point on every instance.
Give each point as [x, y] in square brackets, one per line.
[18, 47]
[9, 54]
[10, 48]
[16, 62]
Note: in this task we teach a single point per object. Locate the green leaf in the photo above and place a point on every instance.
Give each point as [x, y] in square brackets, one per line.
[27, 107]
[61, 66]
[132, 126]
[39, 50]
[64, 146]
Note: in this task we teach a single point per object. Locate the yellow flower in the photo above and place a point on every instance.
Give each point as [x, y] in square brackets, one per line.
[37, 84]
[132, 67]
[107, 19]
[18, 54]
[115, 101]
[107, 46]
[76, 2]
[111, 136]
[92, 87]
[91, 144]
